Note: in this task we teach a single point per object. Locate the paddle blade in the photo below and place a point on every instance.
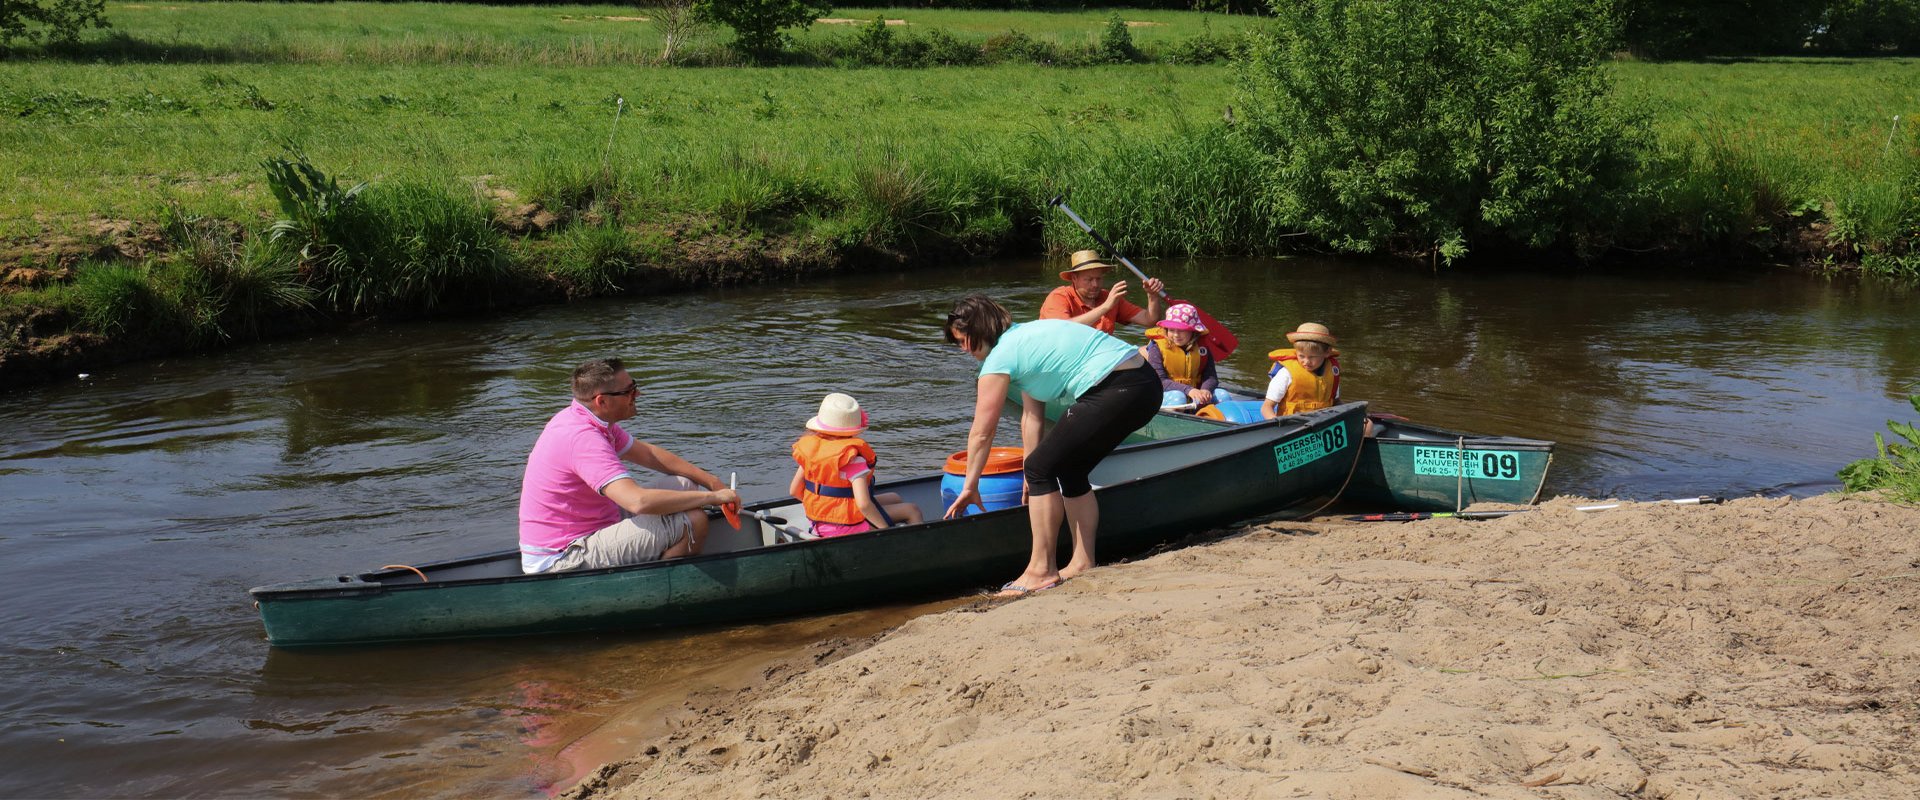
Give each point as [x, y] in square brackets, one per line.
[732, 512]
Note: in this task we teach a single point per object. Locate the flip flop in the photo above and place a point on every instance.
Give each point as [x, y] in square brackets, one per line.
[1011, 589]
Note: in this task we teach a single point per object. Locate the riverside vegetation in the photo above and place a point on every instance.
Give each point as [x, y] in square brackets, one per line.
[1895, 467]
[212, 172]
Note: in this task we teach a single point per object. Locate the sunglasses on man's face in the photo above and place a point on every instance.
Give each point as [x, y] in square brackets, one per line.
[631, 390]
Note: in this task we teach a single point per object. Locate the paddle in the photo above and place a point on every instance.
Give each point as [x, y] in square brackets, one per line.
[1218, 338]
[732, 510]
[1410, 516]
[780, 525]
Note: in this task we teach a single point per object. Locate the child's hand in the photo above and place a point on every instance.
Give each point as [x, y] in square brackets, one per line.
[1200, 397]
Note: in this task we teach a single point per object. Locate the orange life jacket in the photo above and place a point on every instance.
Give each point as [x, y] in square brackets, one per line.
[826, 494]
[1183, 366]
[1307, 391]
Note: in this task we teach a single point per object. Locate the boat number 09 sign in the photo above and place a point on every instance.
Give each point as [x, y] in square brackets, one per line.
[1295, 453]
[1498, 465]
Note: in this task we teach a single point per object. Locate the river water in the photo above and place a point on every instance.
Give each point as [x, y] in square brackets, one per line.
[139, 504]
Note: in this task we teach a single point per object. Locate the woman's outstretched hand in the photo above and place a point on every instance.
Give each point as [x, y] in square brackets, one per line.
[960, 503]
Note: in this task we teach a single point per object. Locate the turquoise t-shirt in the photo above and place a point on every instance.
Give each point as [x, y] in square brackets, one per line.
[1054, 359]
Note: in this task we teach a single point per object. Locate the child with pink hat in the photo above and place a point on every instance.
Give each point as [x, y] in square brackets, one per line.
[1185, 366]
[834, 479]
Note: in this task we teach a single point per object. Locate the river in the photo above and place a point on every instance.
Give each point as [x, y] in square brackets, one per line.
[149, 497]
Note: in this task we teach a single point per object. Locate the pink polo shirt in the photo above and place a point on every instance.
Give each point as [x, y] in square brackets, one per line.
[576, 456]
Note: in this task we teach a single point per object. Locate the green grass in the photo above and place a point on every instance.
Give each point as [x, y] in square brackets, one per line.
[122, 141]
[575, 36]
[1812, 141]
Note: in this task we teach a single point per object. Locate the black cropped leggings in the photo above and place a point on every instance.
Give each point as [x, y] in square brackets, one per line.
[1096, 423]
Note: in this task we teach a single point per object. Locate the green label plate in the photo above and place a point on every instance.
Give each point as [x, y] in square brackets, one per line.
[1490, 465]
[1308, 449]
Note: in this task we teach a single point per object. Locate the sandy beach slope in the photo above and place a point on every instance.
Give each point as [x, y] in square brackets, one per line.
[1765, 648]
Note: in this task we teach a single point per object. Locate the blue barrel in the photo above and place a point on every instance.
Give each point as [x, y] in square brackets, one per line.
[1000, 483]
[1238, 412]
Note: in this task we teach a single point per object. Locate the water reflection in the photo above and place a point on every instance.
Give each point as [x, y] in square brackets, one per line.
[139, 505]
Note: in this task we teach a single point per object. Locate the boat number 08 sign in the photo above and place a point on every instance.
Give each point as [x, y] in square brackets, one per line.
[1295, 453]
[1498, 465]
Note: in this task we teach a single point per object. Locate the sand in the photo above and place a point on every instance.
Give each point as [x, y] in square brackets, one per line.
[1764, 648]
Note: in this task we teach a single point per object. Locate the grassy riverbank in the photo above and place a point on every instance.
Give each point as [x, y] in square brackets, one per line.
[136, 190]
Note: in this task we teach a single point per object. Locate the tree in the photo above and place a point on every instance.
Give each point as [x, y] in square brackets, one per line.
[36, 21]
[678, 25]
[1426, 125]
[757, 24]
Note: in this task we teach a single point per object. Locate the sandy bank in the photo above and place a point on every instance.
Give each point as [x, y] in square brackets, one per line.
[1762, 648]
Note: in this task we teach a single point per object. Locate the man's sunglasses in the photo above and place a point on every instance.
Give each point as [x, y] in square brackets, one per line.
[631, 390]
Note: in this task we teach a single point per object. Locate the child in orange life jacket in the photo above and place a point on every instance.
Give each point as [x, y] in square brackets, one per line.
[834, 480]
[1185, 366]
[1305, 377]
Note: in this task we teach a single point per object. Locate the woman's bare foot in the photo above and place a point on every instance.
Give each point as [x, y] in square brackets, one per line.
[1071, 571]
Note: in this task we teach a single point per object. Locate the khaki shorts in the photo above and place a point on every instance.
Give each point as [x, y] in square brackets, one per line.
[634, 540]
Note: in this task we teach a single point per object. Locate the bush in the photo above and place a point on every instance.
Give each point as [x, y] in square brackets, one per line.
[1201, 48]
[1895, 467]
[757, 24]
[1427, 125]
[873, 45]
[1116, 43]
[946, 50]
[1017, 46]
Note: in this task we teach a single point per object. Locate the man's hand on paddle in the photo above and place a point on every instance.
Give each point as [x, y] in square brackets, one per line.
[1114, 295]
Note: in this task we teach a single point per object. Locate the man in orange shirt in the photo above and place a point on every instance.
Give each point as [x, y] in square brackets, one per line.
[1086, 301]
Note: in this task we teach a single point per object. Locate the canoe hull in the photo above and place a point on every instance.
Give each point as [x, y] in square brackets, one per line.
[1407, 466]
[1217, 478]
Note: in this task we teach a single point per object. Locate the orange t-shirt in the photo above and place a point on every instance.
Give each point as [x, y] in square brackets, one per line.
[1064, 303]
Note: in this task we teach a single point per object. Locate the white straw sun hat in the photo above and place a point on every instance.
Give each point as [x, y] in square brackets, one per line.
[839, 413]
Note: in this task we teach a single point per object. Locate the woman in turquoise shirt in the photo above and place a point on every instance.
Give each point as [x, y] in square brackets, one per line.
[1113, 393]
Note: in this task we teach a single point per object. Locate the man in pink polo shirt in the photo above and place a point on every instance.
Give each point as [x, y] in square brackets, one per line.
[579, 507]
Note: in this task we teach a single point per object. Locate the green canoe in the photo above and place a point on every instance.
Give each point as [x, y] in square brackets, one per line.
[1149, 494]
[1405, 466]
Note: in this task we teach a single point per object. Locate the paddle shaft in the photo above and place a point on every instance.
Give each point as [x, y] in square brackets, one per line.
[1060, 202]
[1702, 500]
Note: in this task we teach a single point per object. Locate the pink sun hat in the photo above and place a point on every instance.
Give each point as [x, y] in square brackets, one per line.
[839, 413]
[1183, 317]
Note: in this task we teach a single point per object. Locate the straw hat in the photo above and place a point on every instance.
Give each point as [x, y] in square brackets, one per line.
[840, 414]
[1084, 260]
[1183, 317]
[1312, 332]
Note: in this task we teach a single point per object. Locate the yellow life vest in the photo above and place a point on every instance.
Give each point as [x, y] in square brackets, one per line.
[1306, 391]
[826, 494]
[1187, 366]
